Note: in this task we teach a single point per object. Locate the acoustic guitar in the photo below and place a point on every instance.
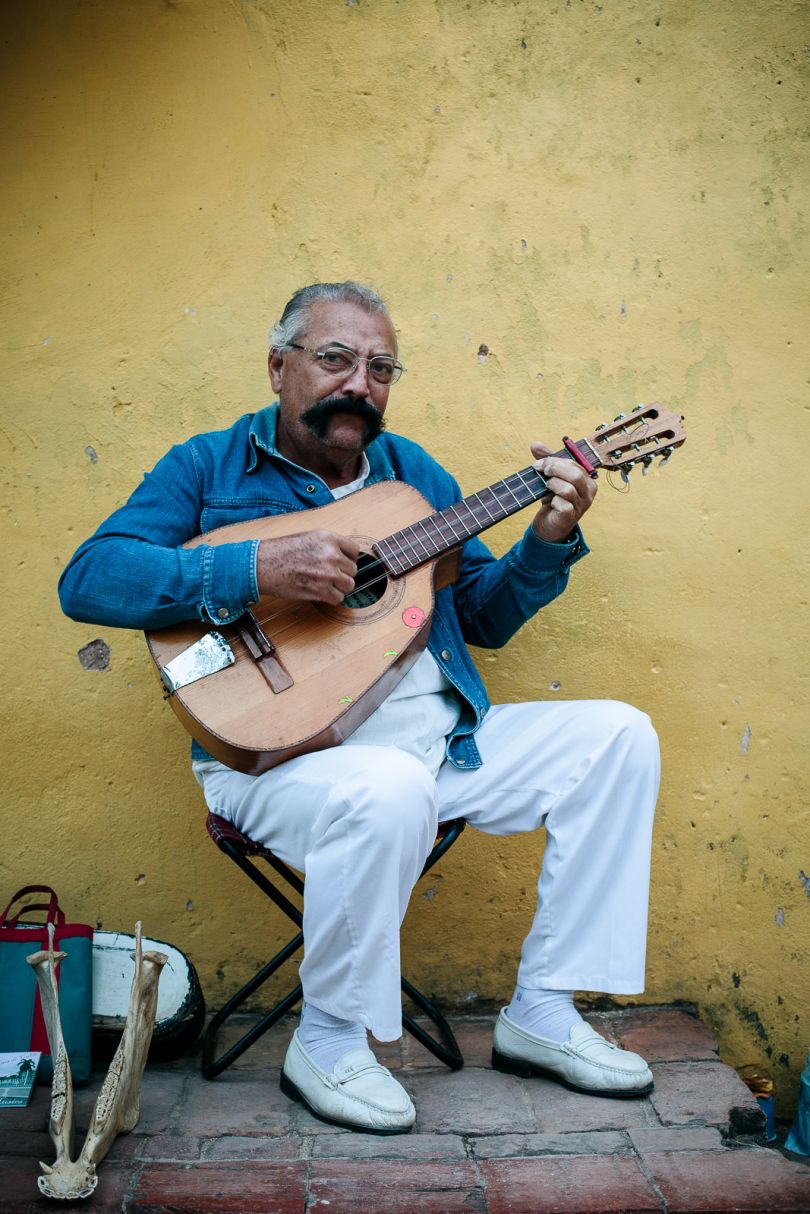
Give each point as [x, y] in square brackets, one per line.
[289, 677]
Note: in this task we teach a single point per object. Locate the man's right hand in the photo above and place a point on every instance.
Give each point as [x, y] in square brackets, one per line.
[315, 565]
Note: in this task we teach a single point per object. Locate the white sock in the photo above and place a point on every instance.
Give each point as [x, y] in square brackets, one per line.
[550, 1014]
[327, 1038]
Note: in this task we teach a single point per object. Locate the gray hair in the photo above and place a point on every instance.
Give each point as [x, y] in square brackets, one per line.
[295, 315]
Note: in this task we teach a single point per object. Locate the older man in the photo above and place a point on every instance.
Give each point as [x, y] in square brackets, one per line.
[359, 819]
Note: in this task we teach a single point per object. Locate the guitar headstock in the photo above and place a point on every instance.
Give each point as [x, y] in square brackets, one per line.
[637, 437]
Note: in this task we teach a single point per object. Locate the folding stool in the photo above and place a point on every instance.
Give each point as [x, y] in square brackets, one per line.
[245, 852]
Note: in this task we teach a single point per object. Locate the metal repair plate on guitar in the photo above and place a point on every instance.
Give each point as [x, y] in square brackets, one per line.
[206, 656]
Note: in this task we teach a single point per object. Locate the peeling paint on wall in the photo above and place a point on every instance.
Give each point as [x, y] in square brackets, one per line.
[95, 655]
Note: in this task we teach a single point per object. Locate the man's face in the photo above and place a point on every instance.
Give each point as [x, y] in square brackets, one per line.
[323, 415]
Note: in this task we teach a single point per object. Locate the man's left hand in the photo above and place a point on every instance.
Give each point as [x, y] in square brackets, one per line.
[572, 492]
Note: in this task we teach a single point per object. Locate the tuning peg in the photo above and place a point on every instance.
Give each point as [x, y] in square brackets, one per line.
[647, 464]
[666, 456]
[625, 472]
[601, 426]
[637, 409]
[618, 417]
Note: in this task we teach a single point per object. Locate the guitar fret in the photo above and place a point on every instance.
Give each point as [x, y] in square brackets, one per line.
[443, 522]
[393, 557]
[503, 506]
[423, 523]
[482, 503]
[522, 479]
[515, 495]
[416, 539]
[508, 501]
[406, 549]
[519, 490]
[406, 541]
[410, 554]
[450, 525]
[505, 485]
[466, 506]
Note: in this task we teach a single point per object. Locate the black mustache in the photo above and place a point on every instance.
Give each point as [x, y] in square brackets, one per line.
[317, 417]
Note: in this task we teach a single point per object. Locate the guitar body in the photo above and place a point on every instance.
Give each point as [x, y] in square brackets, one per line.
[342, 661]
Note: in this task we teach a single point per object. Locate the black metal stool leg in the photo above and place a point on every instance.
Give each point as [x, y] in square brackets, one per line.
[211, 1066]
[446, 1050]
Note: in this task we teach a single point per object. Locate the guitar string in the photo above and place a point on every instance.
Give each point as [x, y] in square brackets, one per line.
[401, 551]
[402, 546]
[295, 604]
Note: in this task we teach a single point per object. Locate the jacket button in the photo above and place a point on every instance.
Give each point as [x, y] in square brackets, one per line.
[310, 488]
[223, 613]
[446, 655]
[461, 762]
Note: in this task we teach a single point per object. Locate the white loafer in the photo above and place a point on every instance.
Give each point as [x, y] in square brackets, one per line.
[585, 1062]
[360, 1093]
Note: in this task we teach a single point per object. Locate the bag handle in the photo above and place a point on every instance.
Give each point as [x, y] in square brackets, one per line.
[58, 919]
[55, 915]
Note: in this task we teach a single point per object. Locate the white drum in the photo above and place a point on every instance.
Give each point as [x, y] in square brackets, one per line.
[180, 1007]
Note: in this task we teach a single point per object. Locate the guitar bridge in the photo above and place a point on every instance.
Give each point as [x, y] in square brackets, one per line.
[263, 652]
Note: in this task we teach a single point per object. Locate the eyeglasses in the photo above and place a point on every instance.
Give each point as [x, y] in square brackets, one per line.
[342, 363]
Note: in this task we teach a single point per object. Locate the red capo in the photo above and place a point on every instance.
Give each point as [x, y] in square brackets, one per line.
[574, 451]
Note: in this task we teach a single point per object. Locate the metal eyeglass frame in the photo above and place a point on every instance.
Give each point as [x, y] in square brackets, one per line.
[358, 358]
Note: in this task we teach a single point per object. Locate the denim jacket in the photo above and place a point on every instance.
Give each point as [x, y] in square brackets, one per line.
[134, 573]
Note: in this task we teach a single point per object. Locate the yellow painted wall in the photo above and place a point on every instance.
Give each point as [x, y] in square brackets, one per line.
[612, 197]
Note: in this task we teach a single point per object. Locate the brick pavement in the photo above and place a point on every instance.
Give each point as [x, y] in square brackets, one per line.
[484, 1143]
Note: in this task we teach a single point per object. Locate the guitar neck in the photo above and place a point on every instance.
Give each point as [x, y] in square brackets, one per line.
[447, 529]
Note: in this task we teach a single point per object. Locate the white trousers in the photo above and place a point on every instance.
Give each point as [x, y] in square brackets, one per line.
[359, 822]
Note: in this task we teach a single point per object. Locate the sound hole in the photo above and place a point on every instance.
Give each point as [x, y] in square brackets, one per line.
[370, 583]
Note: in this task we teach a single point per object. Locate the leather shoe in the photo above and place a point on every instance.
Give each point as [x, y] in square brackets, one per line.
[359, 1093]
[584, 1063]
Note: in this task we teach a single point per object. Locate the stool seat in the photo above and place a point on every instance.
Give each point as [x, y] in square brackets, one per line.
[245, 852]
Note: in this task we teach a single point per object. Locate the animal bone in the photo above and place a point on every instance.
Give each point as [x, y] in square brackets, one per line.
[117, 1107]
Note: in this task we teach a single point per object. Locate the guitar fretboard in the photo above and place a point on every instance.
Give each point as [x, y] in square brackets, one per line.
[438, 533]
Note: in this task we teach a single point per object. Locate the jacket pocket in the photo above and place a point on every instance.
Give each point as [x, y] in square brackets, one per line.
[223, 511]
